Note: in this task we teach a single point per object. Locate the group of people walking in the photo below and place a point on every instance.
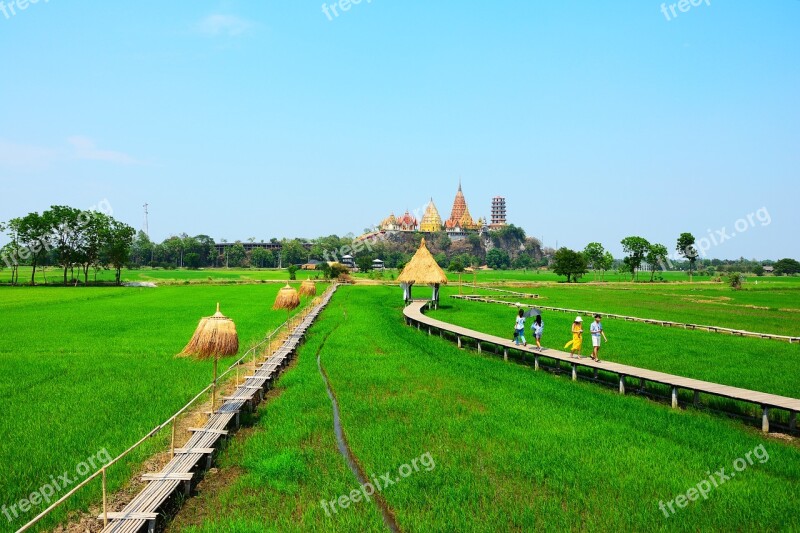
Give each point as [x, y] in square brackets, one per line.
[575, 345]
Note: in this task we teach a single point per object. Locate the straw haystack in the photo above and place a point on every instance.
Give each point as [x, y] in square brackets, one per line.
[423, 269]
[287, 298]
[215, 336]
[308, 288]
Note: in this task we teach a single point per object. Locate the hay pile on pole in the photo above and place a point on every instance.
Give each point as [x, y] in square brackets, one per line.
[308, 288]
[214, 337]
[287, 299]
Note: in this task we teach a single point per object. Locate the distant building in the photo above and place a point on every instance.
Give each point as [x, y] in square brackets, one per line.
[347, 260]
[769, 269]
[377, 264]
[498, 212]
[404, 223]
[431, 221]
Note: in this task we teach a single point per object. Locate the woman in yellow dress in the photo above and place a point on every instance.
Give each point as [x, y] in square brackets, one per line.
[577, 338]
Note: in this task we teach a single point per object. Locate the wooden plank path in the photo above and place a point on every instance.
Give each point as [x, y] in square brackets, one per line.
[414, 316]
[197, 453]
[666, 323]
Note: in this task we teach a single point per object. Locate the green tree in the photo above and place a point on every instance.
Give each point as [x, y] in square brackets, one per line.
[456, 266]
[118, 240]
[687, 250]
[142, 251]
[569, 263]
[292, 269]
[636, 248]
[522, 262]
[364, 262]
[262, 258]
[293, 252]
[786, 266]
[34, 240]
[758, 270]
[656, 256]
[594, 257]
[498, 259]
[236, 255]
[735, 280]
[606, 264]
[9, 254]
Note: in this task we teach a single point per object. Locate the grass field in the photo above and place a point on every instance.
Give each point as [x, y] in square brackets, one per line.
[86, 369]
[766, 308]
[513, 449]
[758, 364]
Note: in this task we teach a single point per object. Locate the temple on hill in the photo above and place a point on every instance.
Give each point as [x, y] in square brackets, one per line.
[404, 223]
[458, 226]
[431, 221]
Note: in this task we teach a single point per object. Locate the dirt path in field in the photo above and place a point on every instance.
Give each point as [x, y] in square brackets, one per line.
[341, 442]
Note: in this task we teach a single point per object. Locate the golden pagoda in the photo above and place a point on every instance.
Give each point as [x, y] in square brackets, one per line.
[431, 221]
[459, 216]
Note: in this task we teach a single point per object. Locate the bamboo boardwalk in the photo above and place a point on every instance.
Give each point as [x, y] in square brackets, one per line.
[196, 454]
[414, 316]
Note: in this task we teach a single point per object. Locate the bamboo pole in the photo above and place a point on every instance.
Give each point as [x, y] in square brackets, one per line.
[105, 500]
[172, 445]
[214, 389]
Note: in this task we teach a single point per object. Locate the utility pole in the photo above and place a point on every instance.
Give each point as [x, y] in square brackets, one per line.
[146, 226]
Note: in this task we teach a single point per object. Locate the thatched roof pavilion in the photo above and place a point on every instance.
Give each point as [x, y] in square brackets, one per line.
[422, 269]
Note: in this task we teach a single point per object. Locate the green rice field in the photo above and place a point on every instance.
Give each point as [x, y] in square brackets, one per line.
[87, 369]
[514, 449]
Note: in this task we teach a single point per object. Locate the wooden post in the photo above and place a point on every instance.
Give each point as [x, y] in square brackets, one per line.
[214, 387]
[429, 331]
[105, 500]
[792, 421]
[505, 354]
[459, 340]
[575, 373]
[674, 397]
[696, 398]
[622, 383]
[536, 362]
[595, 373]
[172, 446]
[479, 346]
[642, 383]
[765, 419]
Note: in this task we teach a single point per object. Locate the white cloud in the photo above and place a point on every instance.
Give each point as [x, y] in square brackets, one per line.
[85, 148]
[223, 25]
[33, 158]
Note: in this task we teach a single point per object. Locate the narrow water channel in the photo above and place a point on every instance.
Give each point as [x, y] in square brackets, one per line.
[344, 449]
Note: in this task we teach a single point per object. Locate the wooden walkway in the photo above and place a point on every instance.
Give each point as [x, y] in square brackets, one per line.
[197, 453]
[666, 323]
[414, 316]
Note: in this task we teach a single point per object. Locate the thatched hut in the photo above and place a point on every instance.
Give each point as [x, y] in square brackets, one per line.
[422, 269]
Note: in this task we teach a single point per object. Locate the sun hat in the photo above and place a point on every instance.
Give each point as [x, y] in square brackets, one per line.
[578, 319]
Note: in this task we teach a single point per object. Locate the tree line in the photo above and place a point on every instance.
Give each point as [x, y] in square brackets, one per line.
[69, 238]
[639, 252]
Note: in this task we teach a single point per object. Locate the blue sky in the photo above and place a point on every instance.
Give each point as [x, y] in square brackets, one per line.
[268, 119]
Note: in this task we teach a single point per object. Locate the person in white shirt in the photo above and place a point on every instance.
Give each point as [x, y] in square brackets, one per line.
[519, 329]
[596, 329]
